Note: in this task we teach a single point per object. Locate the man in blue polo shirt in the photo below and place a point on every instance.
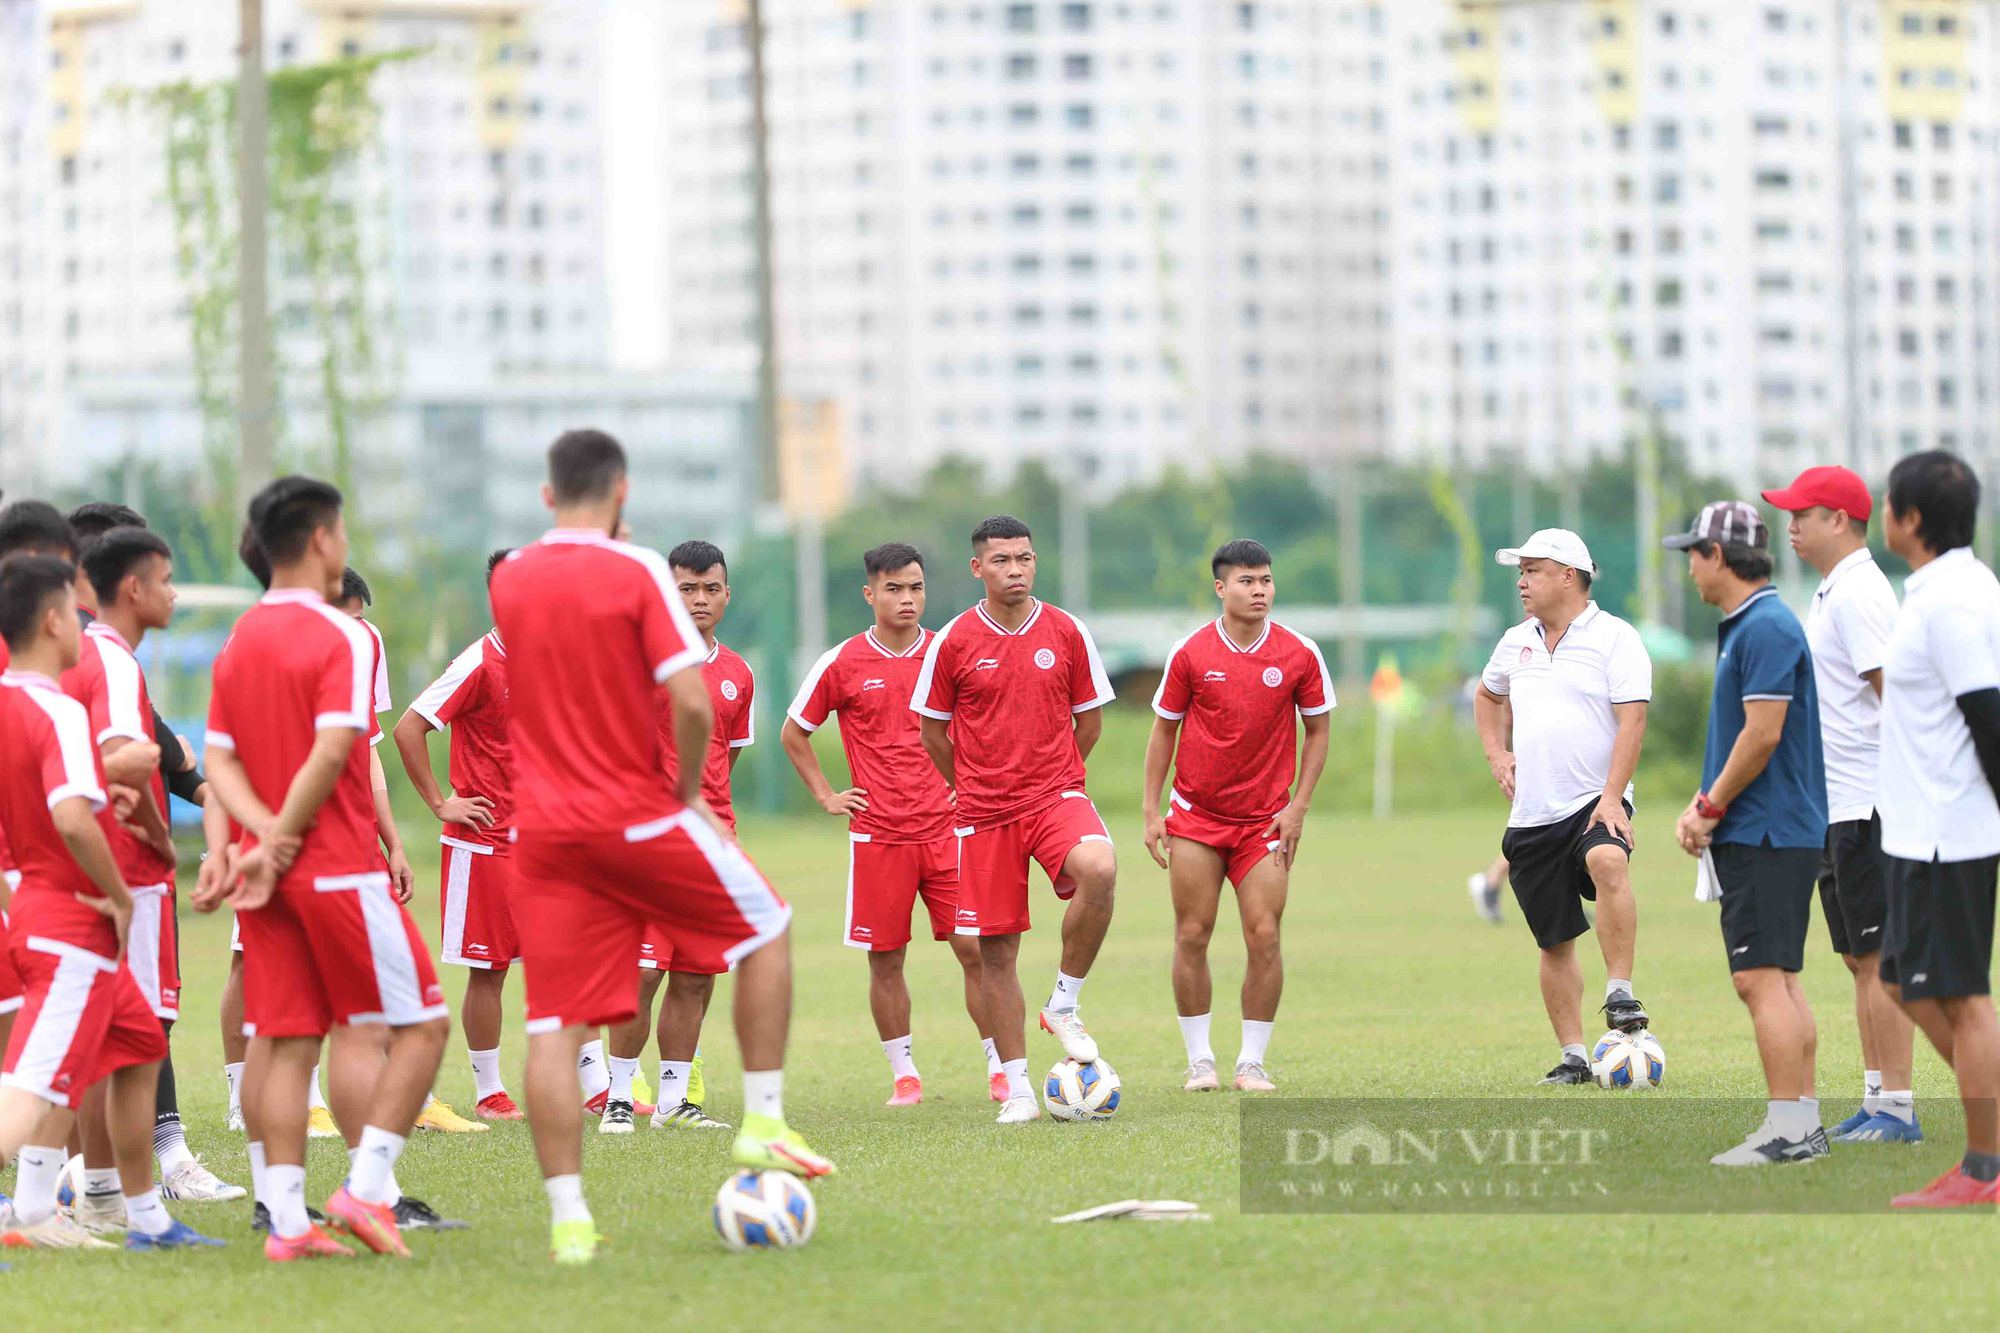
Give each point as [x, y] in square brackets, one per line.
[1760, 819]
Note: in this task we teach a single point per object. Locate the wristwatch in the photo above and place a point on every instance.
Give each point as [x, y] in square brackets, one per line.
[1708, 809]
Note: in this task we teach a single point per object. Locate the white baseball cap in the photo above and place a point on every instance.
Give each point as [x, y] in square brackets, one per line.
[1557, 544]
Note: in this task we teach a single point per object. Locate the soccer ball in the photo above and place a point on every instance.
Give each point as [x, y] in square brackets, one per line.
[764, 1210]
[1080, 1092]
[1621, 1060]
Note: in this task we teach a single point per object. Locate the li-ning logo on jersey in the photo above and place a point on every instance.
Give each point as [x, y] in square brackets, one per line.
[874, 683]
[1045, 658]
[1215, 675]
[1273, 677]
[988, 664]
[729, 690]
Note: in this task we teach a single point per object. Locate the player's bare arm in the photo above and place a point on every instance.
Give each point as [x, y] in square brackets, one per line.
[215, 837]
[84, 836]
[1493, 715]
[146, 820]
[1089, 727]
[135, 765]
[694, 719]
[1288, 825]
[797, 744]
[1159, 756]
[402, 880]
[1610, 810]
[1763, 725]
[411, 734]
[937, 744]
[239, 801]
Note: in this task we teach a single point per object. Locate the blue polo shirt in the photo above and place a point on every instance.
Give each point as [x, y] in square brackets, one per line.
[1761, 653]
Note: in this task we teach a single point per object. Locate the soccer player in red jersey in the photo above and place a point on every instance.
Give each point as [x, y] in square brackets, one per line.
[1009, 693]
[606, 845]
[84, 1019]
[326, 945]
[898, 812]
[470, 700]
[1225, 709]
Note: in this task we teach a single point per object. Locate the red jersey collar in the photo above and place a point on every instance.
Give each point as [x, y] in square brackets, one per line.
[1230, 643]
[498, 646]
[104, 631]
[292, 597]
[31, 680]
[913, 650]
[994, 625]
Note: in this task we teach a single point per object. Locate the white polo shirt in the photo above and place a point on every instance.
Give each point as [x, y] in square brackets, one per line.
[1931, 793]
[1563, 723]
[1848, 628]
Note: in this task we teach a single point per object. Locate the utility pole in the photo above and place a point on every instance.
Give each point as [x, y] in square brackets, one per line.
[253, 385]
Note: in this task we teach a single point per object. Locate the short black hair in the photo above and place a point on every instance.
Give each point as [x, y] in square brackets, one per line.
[289, 511]
[999, 528]
[1583, 577]
[890, 557]
[493, 562]
[353, 587]
[37, 526]
[27, 582]
[1752, 564]
[115, 552]
[1239, 554]
[251, 552]
[1945, 494]
[698, 557]
[584, 465]
[91, 521]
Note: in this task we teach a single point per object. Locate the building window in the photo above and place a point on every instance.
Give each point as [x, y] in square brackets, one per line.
[1020, 18]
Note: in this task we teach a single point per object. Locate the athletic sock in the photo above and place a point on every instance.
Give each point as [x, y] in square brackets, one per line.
[566, 1199]
[259, 1187]
[170, 1144]
[674, 1076]
[1809, 1114]
[374, 1161]
[1617, 986]
[1194, 1036]
[1576, 1049]
[1256, 1040]
[590, 1070]
[992, 1056]
[1871, 1090]
[1017, 1078]
[1902, 1105]
[100, 1184]
[145, 1214]
[764, 1093]
[1068, 991]
[902, 1060]
[486, 1079]
[287, 1185]
[234, 1075]
[623, 1071]
[314, 1101]
[1982, 1166]
[36, 1171]
[395, 1189]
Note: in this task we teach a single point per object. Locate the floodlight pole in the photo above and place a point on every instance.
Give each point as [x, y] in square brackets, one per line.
[253, 385]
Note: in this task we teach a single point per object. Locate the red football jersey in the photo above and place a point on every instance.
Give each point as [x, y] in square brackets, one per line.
[732, 691]
[1010, 697]
[592, 627]
[107, 681]
[46, 757]
[294, 666]
[470, 700]
[1238, 750]
[7, 866]
[869, 687]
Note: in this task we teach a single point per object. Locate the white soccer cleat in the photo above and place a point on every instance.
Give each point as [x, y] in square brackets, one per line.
[1201, 1077]
[617, 1118]
[191, 1182]
[54, 1232]
[99, 1214]
[1250, 1077]
[1066, 1026]
[1018, 1111]
[1766, 1146]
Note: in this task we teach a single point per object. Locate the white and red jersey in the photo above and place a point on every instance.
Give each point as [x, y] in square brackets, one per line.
[470, 700]
[870, 688]
[7, 866]
[46, 758]
[1010, 696]
[107, 681]
[293, 667]
[593, 627]
[380, 690]
[1238, 748]
[732, 694]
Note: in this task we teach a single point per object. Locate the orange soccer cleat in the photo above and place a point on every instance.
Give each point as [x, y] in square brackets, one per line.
[909, 1091]
[1953, 1189]
[314, 1244]
[996, 1087]
[373, 1224]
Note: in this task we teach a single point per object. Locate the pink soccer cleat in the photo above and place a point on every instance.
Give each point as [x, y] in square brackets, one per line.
[314, 1244]
[909, 1091]
[498, 1107]
[373, 1224]
[996, 1087]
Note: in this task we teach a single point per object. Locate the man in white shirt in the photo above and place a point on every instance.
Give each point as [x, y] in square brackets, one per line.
[1561, 709]
[1935, 790]
[1848, 630]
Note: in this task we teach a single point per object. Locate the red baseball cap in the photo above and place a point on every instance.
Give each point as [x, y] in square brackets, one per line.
[1831, 487]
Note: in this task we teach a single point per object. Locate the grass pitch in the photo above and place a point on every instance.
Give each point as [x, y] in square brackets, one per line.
[941, 1219]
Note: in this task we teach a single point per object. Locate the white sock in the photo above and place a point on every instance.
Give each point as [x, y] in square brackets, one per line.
[992, 1056]
[1791, 1118]
[1194, 1036]
[674, 1076]
[288, 1201]
[1809, 1109]
[174, 1153]
[234, 1074]
[486, 1079]
[35, 1173]
[99, 1184]
[1017, 1079]
[902, 1062]
[1617, 986]
[1577, 1051]
[395, 1189]
[1871, 1090]
[314, 1100]
[1068, 992]
[1902, 1105]
[764, 1093]
[590, 1070]
[623, 1071]
[259, 1191]
[374, 1161]
[566, 1199]
[146, 1215]
[1256, 1040]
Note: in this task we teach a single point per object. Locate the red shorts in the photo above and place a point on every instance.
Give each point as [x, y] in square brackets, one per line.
[583, 905]
[478, 922]
[656, 954]
[84, 1018]
[1242, 846]
[993, 862]
[335, 949]
[11, 993]
[153, 951]
[884, 880]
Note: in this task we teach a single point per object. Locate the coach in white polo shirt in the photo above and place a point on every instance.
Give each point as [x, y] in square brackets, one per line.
[1935, 792]
[1561, 709]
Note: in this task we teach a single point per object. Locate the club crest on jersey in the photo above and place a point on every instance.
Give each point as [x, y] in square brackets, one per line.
[874, 683]
[1215, 675]
[1045, 658]
[729, 690]
[1527, 655]
[1273, 677]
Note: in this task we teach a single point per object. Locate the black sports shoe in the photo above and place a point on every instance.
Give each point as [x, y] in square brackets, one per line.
[416, 1215]
[617, 1118]
[260, 1217]
[1623, 1012]
[1573, 1069]
[1764, 1146]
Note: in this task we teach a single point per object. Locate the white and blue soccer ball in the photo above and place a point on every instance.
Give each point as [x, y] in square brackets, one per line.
[1080, 1092]
[764, 1210]
[1628, 1060]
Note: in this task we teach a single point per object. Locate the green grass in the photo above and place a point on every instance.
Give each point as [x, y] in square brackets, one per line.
[940, 1219]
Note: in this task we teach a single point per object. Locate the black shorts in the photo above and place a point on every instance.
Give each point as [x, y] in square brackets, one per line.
[1938, 940]
[1850, 886]
[1545, 865]
[1767, 897]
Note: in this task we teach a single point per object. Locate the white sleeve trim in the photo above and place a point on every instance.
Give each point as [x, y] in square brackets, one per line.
[380, 693]
[90, 792]
[1169, 716]
[679, 662]
[351, 721]
[931, 713]
[1099, 680]
[1320, 711]
[1766, 698]
[808, 686]
[116, 733]
[71, 723]
[124, 692]
[922, 693]
[745, 743]
[360, 640]
[655, 565]
[1325, 677]
[439, 692]
[799, 721]
[1160, 692]
[221, 740]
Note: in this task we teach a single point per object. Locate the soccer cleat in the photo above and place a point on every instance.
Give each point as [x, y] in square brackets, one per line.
[54, 1232]
[316, 1243]
[1485, 898]
[260, 1217]
[1201, 1077]
[439, 1116]
[642, 1091]
[1574, 1069]
[1066, 1026]
[697, 1085]
[1849, 1125]
[69, 1181]
[996, 1087]
[1766, 1147]
[99, 1214]
[1623, 1012]
[685, 1116]
[909, 1092]
[498, 1106]
[573, 1242]
[767, 1144]
[234, 1122]
[1953, 1189]
[617, 1118]
[191, 1182]
[319, 1124]
[1250, 1077]
[416, 1215]
[1018, 1111]
[1882, 1127]
[597, 1104]
[179, 1236]
[373, 1224]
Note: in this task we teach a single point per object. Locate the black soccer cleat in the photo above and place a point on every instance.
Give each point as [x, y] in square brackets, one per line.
[416, 1215]
[1623, 1012]
[260, 1218]
[1574, 1069]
